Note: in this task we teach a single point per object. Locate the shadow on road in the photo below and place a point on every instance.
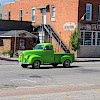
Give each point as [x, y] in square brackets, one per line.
[50, 67]
[7, 59]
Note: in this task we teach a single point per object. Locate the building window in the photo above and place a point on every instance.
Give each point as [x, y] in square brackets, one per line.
[33, 15]
[88, 12]
[1, 42]
[99, 14]
[90, 38]
[9, 15]
[53, 13]
[22, 44]
[21, 15]
[0, 16]
[87, 38]
[98, 38]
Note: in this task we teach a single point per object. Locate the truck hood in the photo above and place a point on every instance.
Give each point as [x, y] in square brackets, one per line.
[31, 52]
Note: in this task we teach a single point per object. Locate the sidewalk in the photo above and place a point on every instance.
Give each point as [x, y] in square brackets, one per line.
[87, 59]
[8, 60]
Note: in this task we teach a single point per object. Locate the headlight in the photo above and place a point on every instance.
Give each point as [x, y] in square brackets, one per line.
[27, 56]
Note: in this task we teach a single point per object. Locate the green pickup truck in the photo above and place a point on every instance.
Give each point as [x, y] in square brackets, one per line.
[43, 54]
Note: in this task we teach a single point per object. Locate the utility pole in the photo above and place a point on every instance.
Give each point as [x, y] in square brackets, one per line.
[15, 43]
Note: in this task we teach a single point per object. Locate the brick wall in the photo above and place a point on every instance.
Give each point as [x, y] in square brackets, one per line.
[6, 45]
[95, 5]
[66, 11]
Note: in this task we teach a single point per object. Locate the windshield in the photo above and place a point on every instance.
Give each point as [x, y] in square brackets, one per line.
[39, 47]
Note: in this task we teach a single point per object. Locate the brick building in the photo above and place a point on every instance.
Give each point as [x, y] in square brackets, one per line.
[16, 40]
[54, 20]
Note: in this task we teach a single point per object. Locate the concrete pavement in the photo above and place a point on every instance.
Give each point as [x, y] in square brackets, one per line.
[68, 92]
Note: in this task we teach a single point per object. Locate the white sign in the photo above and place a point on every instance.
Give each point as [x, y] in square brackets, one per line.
[69, 26]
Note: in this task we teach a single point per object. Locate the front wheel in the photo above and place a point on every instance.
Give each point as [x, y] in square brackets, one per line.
[66, 63]
[36, 64]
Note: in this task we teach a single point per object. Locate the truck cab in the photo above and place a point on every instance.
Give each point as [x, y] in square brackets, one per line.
[43, 54]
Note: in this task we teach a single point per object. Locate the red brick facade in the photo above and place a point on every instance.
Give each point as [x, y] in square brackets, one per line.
[66, 11]
[8, 44]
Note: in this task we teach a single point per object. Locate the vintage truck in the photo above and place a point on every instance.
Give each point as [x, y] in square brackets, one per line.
[43, 54]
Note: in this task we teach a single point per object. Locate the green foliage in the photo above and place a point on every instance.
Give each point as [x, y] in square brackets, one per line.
[8, 52]
[75, 40]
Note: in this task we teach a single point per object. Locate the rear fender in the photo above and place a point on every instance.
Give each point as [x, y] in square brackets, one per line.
[66, 57]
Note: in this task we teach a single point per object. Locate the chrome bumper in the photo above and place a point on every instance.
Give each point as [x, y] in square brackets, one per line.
[20, 63]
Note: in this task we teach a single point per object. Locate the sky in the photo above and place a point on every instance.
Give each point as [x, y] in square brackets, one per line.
[2, 2]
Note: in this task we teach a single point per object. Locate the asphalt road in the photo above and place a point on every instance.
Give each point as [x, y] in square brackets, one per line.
[80, 82]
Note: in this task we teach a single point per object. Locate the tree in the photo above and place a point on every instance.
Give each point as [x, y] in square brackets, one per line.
[75, 40]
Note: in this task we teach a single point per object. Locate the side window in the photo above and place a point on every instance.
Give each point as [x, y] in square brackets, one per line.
[48, 48]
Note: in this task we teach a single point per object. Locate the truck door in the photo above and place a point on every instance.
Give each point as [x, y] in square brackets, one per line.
[48, 54]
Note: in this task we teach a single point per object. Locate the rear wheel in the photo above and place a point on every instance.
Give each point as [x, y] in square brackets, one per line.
[36, 64]
[66, 63]
[24, 65]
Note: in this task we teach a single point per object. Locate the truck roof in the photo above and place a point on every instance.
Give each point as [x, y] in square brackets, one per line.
[49, 44]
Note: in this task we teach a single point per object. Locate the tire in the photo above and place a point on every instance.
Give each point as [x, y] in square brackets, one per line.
[36, 64]
[54, 65]
[24, 66]
[66, 64]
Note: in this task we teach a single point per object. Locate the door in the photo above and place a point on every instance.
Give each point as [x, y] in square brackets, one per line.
[48, 54]
[43, 16]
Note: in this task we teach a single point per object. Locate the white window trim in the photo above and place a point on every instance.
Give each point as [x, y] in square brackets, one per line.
[53, 17]
[96, 37]
[34, 14]
[90, 17]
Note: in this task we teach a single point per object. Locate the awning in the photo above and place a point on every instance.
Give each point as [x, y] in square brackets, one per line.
[43, 6]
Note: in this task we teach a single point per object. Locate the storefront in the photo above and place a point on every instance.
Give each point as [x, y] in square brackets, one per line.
[90, 40]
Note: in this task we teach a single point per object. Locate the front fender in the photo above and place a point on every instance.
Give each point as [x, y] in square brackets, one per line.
[66, 57]
[33, 58]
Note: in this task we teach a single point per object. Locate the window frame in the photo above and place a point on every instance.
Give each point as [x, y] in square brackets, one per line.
[94, 39]
[9, 15]
[89, 7]
[33, 15]
[53, 13]
[99, 14]
[21, 15]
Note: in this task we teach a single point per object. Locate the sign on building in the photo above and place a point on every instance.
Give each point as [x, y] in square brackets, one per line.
[69, 26]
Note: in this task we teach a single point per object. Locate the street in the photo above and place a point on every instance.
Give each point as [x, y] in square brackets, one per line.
[80, 82]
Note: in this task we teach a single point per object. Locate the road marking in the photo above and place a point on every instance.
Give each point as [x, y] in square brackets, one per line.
[66, 95]
[23, 80]
[22, 87]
